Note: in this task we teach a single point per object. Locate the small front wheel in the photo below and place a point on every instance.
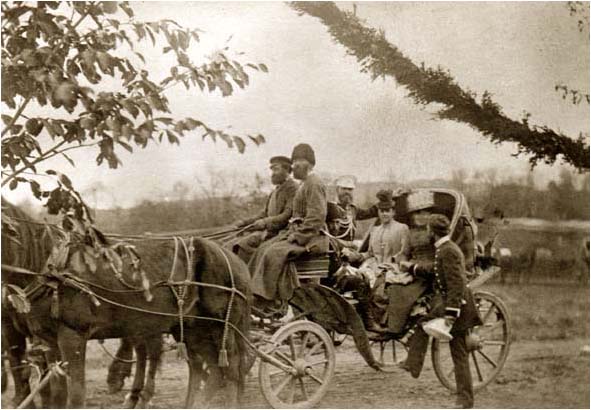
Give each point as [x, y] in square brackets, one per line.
[309, 354]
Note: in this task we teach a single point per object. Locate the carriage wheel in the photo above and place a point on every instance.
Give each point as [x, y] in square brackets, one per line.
[488, 345]
[309, 352]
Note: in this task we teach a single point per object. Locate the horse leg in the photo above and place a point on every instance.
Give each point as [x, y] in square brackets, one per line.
[120, 369]
[55, 394]
[197, 375]
[154, 350]
[131, 400]
[72, 346]
[16, 347]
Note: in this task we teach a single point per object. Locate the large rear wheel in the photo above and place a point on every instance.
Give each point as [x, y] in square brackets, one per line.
[488, 345]
[309, 354]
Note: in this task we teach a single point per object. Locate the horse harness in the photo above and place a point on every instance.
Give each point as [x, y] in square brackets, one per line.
[53, 278]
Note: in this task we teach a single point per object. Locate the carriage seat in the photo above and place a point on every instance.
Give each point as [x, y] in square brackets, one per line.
[313, 267]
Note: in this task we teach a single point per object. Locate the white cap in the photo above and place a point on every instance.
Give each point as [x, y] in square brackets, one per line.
[346, 181]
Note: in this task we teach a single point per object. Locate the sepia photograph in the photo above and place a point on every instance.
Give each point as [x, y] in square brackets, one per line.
[264, 204]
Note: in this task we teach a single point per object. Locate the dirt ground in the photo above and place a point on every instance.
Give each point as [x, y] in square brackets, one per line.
[538, 374]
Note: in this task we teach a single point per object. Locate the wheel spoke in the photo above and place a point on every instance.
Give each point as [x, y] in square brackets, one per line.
[304, 343]
[303, 388]
[292, 391]
[488, 359]
[292, 347]
[277, 372]
[284, 357]
[491, 327]
[314, 377]
[314, 349]
[317, 363]
[488, 313]
[494, 342]
[477, 366]
[282, 385]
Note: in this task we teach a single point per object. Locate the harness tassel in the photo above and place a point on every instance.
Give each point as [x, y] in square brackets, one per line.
[55, 305]
[223, 358]
[181, 351]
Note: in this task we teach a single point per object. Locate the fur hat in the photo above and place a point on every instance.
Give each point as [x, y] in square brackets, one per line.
[385, 199]
[303, 151]
[439, 224]
[281, 160]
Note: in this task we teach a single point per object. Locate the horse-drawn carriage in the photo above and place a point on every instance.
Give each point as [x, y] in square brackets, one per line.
[299, 358]
[297, 355]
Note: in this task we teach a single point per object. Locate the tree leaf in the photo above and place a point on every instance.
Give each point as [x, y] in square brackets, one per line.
[264, 68]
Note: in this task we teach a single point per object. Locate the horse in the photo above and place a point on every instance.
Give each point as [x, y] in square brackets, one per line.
[204, 302]
[27, 244]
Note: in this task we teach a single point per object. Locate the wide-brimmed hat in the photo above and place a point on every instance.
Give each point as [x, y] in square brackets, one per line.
[346, 181]
[303, 151]
[281, 160]
[439, 224]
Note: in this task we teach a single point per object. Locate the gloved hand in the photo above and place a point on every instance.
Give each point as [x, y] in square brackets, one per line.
[259, 225]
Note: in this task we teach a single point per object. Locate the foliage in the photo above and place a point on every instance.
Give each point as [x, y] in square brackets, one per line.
[435, 85]
[50, 58]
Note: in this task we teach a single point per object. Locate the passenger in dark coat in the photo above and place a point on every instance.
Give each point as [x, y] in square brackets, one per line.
[274, 217]
[272, 279]
[452, 300]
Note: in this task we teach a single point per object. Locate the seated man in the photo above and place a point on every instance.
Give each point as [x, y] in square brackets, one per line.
[388, 245]
[274, 217]
[272, 280]
[344, 223]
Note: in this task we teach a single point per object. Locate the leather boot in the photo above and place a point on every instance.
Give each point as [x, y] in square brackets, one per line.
[417, 350]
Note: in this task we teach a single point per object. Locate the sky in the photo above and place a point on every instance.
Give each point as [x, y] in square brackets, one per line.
[315, 93]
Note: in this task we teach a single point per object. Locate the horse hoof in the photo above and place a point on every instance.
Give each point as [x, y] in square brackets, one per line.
[144, 404]
[130, 402]
[115, 387]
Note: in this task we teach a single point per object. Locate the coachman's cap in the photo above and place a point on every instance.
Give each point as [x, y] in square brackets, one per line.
[303, 151]
[280, 160]
[439, 224]
[385, 199]
[346, 181]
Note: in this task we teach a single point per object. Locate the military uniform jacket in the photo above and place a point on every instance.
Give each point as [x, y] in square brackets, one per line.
[278, 208]
[447, 274]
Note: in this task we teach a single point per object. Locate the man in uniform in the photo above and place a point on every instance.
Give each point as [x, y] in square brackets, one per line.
[453, 300]
[272, 280]
[274, 217]
[348, 212]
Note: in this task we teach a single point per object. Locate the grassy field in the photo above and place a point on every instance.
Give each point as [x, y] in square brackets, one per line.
[546, 312]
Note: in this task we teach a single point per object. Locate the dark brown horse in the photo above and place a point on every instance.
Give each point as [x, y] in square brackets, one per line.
[25, 244]
[97, 295]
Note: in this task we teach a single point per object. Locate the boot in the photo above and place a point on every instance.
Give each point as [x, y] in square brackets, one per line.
[417, 350]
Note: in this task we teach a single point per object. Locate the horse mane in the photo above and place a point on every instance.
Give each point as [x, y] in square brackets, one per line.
[26, 243]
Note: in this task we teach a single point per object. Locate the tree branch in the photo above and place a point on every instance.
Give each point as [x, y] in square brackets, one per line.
[16, 115]
[426, 85]
[40, 158]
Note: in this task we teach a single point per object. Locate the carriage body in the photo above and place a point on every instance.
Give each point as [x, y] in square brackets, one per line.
[325, 311]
